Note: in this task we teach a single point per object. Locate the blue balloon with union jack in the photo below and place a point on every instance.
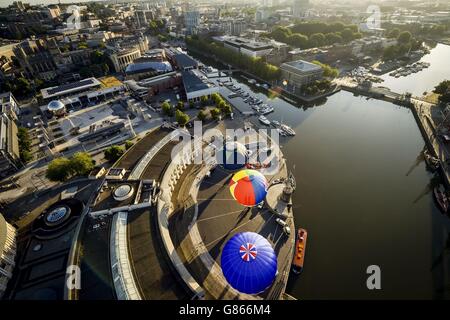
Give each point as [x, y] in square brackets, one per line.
[249, 263]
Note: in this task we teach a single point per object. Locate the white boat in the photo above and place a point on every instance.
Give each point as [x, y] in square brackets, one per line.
[288, 130]
[281, 132]
[276, 123]
[266, 110]
[264, 120]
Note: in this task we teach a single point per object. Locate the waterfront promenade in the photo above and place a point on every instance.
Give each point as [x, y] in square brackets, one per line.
[429, 118]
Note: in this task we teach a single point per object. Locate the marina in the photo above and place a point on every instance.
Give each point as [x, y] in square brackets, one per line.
[356, 134]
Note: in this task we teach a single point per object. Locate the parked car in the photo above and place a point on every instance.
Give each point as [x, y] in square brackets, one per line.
[281, 222]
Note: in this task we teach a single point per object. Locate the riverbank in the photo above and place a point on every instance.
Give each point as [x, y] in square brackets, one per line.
[426, 117]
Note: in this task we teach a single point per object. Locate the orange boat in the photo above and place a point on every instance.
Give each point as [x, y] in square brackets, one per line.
[299, 253]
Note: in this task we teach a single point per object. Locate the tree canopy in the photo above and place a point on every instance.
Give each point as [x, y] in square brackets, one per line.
[256, 66]
[443, 89]
[181, 117]
[61, 169]
[113, 153]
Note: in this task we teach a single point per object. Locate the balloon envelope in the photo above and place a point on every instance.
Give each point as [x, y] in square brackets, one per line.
[248, 187]
[233, 156]
[249, 262]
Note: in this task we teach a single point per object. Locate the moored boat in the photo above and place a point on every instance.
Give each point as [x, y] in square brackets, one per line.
[288, 130]
[264, 120]
[299, 251]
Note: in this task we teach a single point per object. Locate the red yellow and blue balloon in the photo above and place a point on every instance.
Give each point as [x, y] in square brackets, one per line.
[248, 187]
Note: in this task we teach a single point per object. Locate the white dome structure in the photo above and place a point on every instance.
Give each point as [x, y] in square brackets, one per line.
[56, 107]
[123, 192]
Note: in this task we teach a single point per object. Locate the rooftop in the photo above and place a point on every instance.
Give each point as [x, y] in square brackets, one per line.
[148, 66]
[110, 82]
[185, 61]
[303, 66]
[192, 82]
[70, 87]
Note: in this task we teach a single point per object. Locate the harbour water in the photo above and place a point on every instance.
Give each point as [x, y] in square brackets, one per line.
[425, 80]
[365, 197]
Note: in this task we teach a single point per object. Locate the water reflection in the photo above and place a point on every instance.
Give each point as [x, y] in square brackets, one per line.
[364, 195]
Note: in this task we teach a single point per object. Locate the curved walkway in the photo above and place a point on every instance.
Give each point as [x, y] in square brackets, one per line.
[124, 282]
[165, 209]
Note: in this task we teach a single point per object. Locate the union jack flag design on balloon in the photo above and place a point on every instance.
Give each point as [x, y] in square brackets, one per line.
[249, 262]
[248, 251]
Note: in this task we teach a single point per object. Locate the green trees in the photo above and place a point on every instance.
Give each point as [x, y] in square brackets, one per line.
[443, 89]
[204, 101]
[180, 105]
[328, 71]
[215, 113]
[81, 163]
[316, 87]
[128, 144]
[20, 87]
[256, 66]
[347, 35]
[221, 104]
[306, 35]
[201, 115]
[167, 109]
[317, 40]
[113, 153]
[181, 117]
[404, 37]
[61, 169]
[332, 38]
[297, 40]
[24, 145]
[394, 33]
[393, 52]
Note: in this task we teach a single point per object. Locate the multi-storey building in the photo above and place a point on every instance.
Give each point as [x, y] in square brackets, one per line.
[300, 72]
[35, 59]
[191, 21]
[8, 249]
[9, 146]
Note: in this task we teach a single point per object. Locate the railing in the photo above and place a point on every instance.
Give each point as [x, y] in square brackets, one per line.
[124, 283]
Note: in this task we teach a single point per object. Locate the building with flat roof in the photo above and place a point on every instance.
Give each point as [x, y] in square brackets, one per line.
[147, 69]
[300, 72]
[9, 146]
[80, 93]
[195, 87]
[185, 62]
[65, 90]
[7, 253]
[256, 48]
[9, 105]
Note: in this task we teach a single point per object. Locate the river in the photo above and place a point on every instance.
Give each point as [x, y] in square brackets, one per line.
[363, 193]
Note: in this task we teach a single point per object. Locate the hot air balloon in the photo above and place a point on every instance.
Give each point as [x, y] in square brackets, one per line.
[249, 263]
[248, 187]
[233, 156]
